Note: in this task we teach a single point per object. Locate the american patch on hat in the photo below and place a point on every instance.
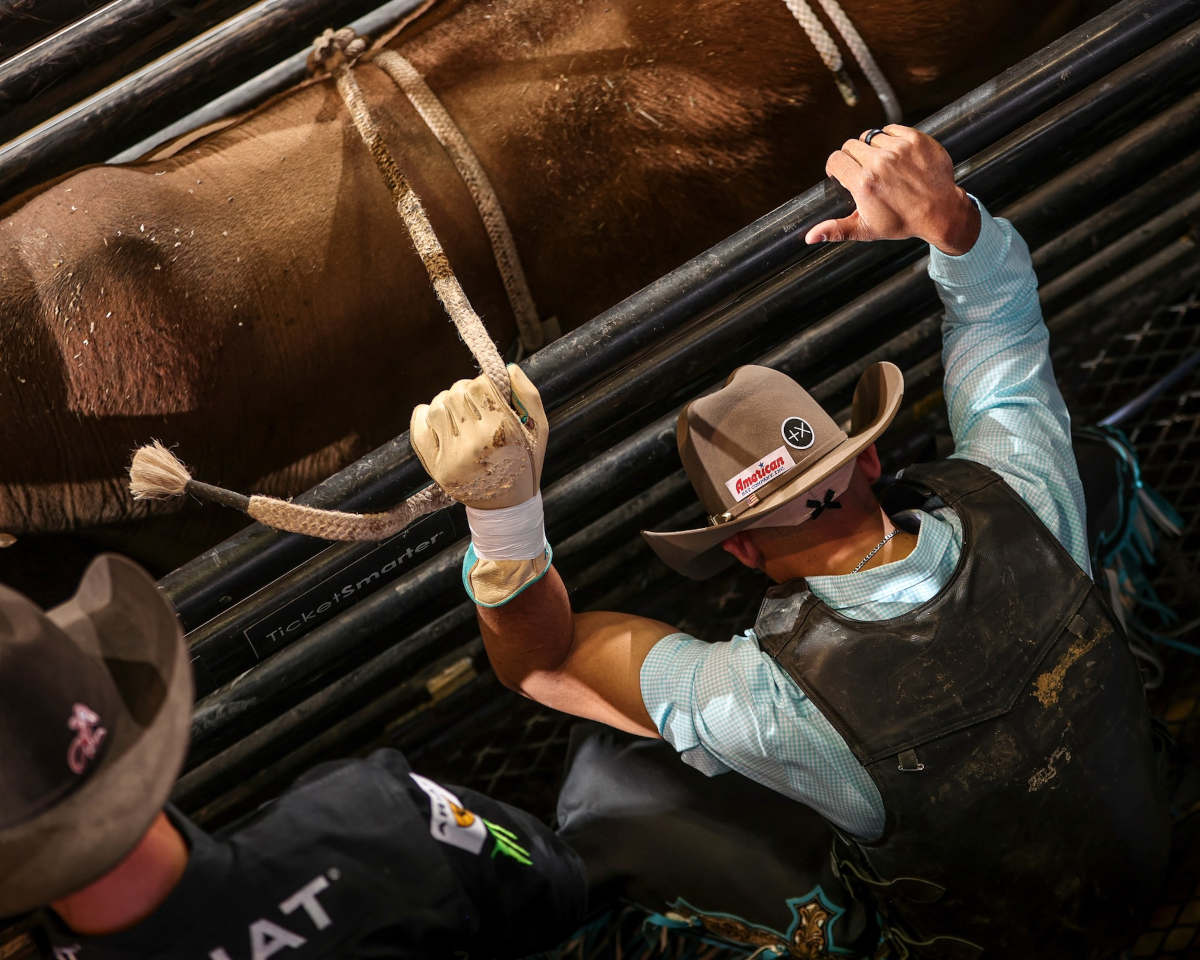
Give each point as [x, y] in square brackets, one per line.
[759, 442]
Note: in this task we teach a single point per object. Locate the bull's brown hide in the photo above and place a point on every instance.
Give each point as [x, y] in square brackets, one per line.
[254, 296]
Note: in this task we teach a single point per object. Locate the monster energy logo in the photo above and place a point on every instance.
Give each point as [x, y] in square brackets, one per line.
[506, 843]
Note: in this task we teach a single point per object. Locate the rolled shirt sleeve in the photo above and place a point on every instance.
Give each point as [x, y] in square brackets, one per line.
[728, 706]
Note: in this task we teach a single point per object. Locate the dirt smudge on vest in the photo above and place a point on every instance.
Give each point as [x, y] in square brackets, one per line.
[1049, 685]
[997, 759]
[1047, 773]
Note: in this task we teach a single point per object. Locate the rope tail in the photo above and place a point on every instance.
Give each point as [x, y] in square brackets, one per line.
[157, 474]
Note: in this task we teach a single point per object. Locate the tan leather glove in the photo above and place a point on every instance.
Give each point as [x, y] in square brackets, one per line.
[488, 456]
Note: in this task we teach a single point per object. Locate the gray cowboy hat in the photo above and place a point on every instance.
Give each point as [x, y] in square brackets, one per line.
[97, 702]
[756, 444]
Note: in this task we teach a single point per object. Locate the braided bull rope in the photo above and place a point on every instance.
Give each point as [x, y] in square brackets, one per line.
[504, 248]
[156, 473]
[409, 206]
[828, 50]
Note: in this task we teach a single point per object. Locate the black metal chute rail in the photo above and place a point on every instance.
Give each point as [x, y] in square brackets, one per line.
[1161, 256]
[272, 685]
[234, 641]
[240, 565]
[1092, 245]
[407, 717]
[1075, 129]
[139, 104]
[305, 671]
[24, 24]
[637, 476]
[84, 55]
[293, 734]
[251, 93]
[715, 343]
[599, 560]
[289, 741]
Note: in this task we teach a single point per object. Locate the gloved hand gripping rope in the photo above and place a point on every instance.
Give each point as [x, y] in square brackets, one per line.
[499, 483]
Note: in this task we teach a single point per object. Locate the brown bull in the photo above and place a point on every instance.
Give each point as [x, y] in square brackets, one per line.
[253, 296]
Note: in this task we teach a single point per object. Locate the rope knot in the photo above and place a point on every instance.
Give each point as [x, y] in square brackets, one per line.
[336, 48]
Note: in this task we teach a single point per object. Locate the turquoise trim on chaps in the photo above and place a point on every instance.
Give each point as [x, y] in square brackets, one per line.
[813, 919]
[1124, 554]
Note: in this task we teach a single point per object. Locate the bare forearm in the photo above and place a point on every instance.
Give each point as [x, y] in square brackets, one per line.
[531, 633]
[587, 664]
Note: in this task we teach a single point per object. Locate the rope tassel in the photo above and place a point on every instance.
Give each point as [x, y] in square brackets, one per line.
[157, 474]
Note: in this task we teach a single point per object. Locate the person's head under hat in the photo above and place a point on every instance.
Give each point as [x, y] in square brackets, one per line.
[97, 701]
[786, 490]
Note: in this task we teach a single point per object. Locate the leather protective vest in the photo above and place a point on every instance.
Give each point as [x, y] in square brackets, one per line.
[1004, 723]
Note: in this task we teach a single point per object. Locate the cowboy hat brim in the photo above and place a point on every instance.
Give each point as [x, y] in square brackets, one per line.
[117, 614]
[697, 553]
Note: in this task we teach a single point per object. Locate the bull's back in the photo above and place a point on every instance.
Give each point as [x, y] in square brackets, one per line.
[255, 298]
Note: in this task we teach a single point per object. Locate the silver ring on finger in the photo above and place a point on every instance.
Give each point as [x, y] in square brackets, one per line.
[871, 135]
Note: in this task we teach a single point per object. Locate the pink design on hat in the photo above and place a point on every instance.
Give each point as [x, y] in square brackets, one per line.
[88, 737]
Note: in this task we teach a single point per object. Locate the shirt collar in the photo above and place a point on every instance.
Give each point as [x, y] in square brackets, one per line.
[883, 583]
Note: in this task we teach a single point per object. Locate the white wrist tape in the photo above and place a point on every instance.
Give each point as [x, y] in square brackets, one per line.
[509, 533]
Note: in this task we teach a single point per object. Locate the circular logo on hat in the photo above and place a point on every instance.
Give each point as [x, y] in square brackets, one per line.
[797, 433]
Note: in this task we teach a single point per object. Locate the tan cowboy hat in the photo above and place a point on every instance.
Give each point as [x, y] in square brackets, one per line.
[95, 709]
[758, 443]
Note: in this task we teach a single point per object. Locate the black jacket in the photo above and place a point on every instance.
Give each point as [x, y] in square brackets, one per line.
[360, 859]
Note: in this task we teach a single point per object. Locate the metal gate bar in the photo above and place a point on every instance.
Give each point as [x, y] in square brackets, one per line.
[179, 81]
[90, 52]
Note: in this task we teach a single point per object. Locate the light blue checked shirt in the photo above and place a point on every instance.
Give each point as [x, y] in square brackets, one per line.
[728, 706]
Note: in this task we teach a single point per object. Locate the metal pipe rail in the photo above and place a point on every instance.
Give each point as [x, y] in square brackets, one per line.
[18, 74]
[273, 80]
[179, 81]
[90, 51]
[423, 712]
[648, 458]
[224, 648]
[257, 767]
[22, 25]
[1076, 128]
[1067, 263]
[236, 709]
[564, 369]
[370, 687]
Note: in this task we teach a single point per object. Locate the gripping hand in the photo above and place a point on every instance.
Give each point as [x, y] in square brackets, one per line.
[488, 455]
[903, 186]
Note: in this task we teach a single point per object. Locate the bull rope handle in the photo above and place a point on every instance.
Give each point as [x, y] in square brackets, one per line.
[828, 50]
[157, 474]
